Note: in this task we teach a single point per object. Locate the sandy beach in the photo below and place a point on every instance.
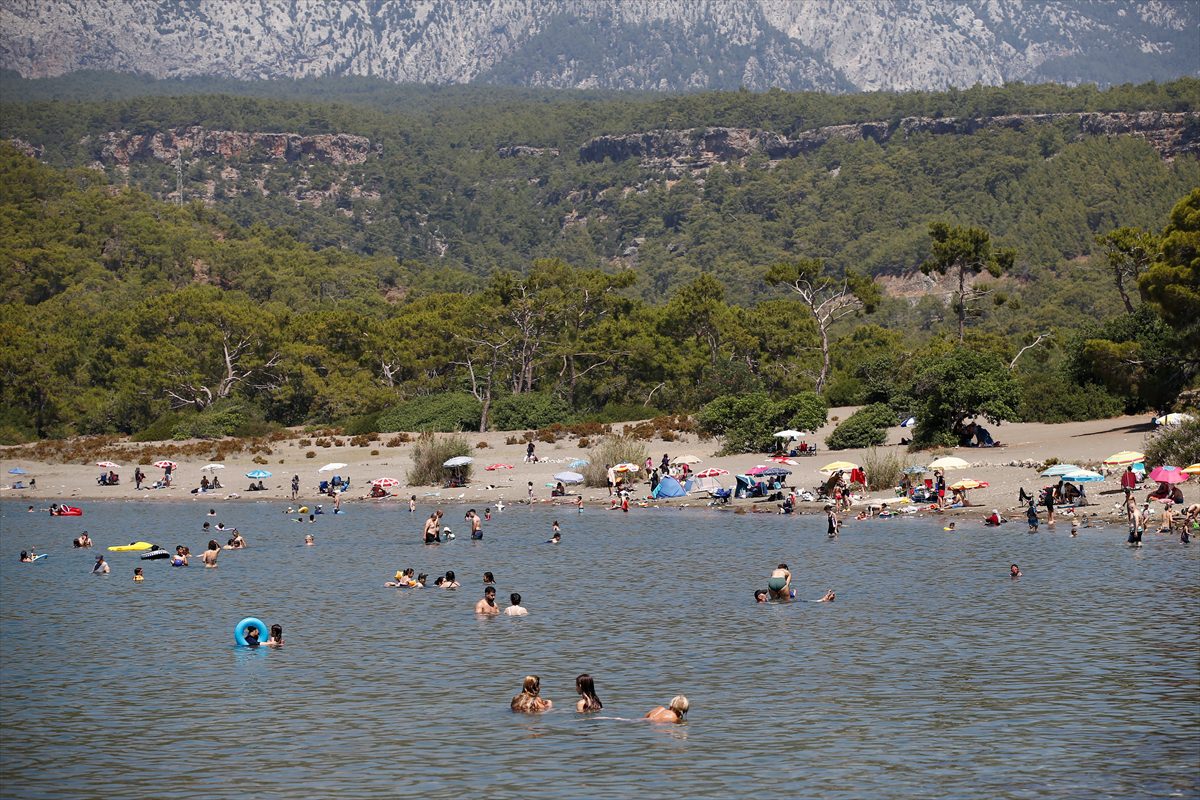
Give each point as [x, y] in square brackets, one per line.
[1003, 468]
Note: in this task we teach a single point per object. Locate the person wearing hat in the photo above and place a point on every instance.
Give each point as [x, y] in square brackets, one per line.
[101, 567]
[994, 518]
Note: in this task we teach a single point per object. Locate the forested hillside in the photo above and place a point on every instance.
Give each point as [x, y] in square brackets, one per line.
[519, 258]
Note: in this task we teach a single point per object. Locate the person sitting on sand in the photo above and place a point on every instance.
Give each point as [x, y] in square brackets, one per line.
[209, 557]
[675, 711]
[884, 511]
[487, 604]
[530, 701]
[780, 583]
[588, 699]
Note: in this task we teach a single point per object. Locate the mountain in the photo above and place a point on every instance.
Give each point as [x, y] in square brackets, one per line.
[660, 45]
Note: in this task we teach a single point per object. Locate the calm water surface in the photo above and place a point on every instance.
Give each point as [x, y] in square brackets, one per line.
[932, 675]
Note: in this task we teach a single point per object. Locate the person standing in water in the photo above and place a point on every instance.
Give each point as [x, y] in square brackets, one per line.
[487, 605]
[516, 609]
[276, 637]
[211, 554]
[476, 524]
[835, 524]
[780, 583]
[530, 701]
[675, 711]
[101, 567]
[588, 699]
[412, 504]
[430, 532]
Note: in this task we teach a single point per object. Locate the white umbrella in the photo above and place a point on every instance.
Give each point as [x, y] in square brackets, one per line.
[948, 462]
[107, 465]
[212, 467]
[331, 467]
[685, 459]
[569, 477]
[385, 483]
[164, 464]
[1172, 419]
[457, 461]
[788, 434]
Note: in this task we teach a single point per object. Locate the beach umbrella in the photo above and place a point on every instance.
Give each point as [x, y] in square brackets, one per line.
[212, 467]
[1168, 475]
[686, 459]
[834, 466]
[258, 474]
[579, 462]
[626, 468]
[1082, 476]
[1060, 469]
[165, 464]
[788, 434]
[948, 462]
[967, 483]
[1194, 469]
[107, 465]
[712, 472]
[385, 483]
[17, 471]
[782, 460]
[1124, 458]
[331, 467]
[457, 461]
[569, 477]
[915, 469]
[909, 423]
[494, 467]
[756, 470]
[1172, 419]
[776, 472]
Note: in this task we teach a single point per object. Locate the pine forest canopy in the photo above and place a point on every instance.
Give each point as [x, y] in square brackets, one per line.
[469, 252]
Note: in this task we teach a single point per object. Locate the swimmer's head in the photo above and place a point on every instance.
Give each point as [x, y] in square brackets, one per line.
[679, 704]
[760, 596]
[783, 566]
[532, 684]
[450, 575]
[489, 591]
[515, 598]
[277, 631]
[487, 578]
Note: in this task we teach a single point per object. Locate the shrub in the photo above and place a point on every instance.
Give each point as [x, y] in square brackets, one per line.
[428, 455]
[256, 459]
[310, 454]
[481, 445]
[884, 468]
[804, 411]
[223, 418]
[373, 452]
[748, 421]
[614, 412]
[160, 430]
[866, 427]
[365, 423]
[448, 412]
[531, 410]
[1052, 398]
[611, 450]
[1178, 445]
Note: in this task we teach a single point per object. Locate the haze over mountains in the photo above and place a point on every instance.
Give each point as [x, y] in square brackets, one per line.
[667, 45]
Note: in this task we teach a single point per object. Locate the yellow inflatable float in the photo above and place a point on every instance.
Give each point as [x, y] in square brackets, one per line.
[133, 546]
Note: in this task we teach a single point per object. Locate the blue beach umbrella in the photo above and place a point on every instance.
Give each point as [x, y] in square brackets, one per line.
[915, 469]
[258, 474]
[1082, 476]
[17, 471]
[1061, 469]
[579, 462]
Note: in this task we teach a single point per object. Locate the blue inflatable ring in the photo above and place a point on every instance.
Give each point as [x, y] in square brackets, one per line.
[239, 633]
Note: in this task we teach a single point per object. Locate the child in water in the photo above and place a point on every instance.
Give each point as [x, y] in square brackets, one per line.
[276, 637]
[137, 575]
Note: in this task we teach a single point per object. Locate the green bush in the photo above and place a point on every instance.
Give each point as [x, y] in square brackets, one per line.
[884, 468]
[804, 411]
[364, 423]
[1178, 445]
[748, 422]
[160, 430]
[620, 412]
[1051, 398]
[611, 450]
[864, 428]
[428, 455]
[223, 418]
[514, 412]
[452, 411]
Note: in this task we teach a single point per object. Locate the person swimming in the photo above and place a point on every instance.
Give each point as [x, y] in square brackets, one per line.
[276, 637]
[780, 583]
[488, 578]
[516, 609]
[137, 575]
[588, 699]
[1014, 571]
[449, 581]
[760, 595]
[251, 636]
[211, 554]
[675, 711]
[530, 701]
[487, 604]
[309, 541]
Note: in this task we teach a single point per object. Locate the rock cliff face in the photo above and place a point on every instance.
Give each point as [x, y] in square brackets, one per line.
[617, 44]
[678, 152]
[123, 147]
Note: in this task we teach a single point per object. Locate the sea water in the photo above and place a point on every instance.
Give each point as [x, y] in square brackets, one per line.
[933, 674]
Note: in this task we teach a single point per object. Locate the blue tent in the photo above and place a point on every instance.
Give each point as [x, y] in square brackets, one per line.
[669, 487]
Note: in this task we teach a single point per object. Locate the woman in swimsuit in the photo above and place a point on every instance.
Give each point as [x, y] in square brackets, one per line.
[530, 701]
[588, 700]
[675, 711]
[780, 583]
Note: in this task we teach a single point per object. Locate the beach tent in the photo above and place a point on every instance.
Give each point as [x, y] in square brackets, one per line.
[668, 487]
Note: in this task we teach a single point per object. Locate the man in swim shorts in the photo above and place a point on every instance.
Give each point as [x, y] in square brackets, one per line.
[476, 524]
[431, 529]
[780, 583]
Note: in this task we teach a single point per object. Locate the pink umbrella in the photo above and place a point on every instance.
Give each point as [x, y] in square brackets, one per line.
[782, 460]
[712, 472]
[1168, 475]
[385, 483]
[164, 464]
[759, 470]
[493, 467]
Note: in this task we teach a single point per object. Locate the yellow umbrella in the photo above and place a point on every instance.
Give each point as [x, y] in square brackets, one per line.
[966, 483]
[1194, 469]
[836, 465]
[948, 462]
[1124, 458]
